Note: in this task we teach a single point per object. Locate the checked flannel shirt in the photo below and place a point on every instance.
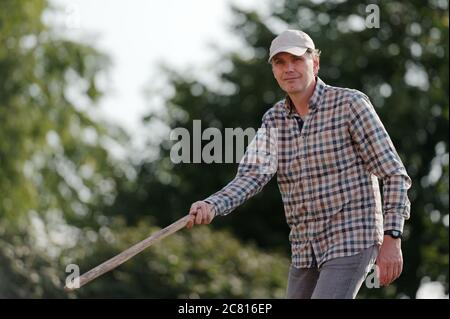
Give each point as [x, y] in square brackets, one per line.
[327, 169]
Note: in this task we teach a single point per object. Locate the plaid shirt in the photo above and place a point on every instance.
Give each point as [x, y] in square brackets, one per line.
[327, 171]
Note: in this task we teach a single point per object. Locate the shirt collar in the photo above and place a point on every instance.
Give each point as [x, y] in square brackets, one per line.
[314, 101]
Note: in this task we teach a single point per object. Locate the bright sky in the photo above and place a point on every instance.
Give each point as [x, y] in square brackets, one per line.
[140, 34]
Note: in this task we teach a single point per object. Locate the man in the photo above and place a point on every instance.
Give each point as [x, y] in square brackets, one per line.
[331, 150]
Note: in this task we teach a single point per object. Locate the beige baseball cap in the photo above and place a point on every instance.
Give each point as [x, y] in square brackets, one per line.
[291, 41]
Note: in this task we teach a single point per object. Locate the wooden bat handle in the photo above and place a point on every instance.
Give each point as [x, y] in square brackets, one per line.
[130, 252]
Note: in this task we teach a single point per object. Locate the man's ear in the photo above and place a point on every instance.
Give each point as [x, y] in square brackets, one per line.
[316, 65]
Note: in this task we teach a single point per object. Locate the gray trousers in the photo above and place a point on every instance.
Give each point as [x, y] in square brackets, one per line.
[339, 278]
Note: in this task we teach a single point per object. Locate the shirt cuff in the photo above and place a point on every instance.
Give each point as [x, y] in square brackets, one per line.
[393, 221]
[213, 205]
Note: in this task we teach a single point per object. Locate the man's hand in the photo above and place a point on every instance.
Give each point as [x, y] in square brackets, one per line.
[390, 260]
[201, 213]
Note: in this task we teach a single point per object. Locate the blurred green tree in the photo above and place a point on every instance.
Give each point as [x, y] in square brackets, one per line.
[57, 175]
[402, 66]
[55, 165]
[189, 264]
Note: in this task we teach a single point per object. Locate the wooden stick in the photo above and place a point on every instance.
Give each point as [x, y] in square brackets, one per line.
[129, 253]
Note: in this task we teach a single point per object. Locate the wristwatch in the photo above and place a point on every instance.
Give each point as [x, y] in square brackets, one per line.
[393, 233]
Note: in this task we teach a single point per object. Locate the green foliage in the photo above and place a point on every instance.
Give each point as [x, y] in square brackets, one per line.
[52, 156]
[53, 163]
[189, 264]
[57, 177]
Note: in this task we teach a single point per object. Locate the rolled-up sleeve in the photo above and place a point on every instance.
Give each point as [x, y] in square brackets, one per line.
[381, 159]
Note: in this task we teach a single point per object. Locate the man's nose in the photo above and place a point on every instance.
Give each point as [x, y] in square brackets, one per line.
[289, 67]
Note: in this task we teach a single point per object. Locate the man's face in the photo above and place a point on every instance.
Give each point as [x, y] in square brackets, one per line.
[295, 74]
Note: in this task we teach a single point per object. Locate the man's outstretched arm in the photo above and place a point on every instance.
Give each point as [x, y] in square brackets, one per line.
[256, 169]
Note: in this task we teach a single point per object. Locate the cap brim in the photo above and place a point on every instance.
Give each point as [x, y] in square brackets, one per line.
[292, 50]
